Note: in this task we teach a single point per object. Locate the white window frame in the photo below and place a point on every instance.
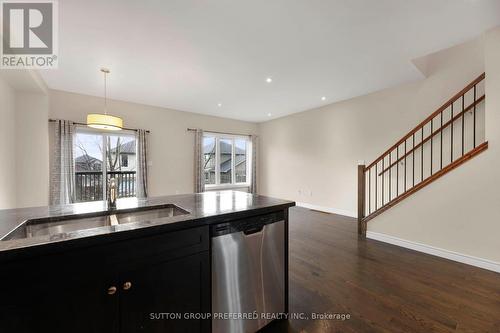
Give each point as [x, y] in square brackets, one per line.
[104, 134]
[232, 137]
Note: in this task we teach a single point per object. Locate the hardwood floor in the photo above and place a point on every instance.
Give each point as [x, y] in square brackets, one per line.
[384, 288]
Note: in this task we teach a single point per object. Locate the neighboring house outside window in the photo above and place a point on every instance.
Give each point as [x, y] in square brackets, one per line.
[227, 160]
[118, 151]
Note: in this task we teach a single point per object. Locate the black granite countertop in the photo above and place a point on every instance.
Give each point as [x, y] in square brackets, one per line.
[204, 209]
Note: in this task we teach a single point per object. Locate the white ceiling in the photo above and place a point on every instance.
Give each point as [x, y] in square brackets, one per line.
[191, 55]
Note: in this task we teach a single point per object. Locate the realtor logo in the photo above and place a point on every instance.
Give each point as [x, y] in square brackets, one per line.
[29, 31]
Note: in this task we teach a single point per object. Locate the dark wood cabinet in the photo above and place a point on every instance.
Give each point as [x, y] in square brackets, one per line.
[161, 296]
[112, 288]
[55, 305]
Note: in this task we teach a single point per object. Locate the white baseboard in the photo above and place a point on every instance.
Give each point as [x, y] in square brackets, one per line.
[327, 209]
[435, 251]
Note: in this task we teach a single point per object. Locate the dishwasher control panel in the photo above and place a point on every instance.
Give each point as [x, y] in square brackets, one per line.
[248, 225]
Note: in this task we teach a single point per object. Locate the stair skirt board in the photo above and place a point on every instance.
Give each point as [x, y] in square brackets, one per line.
[327, 209]
[435, 251]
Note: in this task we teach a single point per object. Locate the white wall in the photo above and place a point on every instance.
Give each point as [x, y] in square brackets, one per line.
[32, 147]
[459, 212]
[171, 145]
[7, 146]
[316, 152]
[24, 139]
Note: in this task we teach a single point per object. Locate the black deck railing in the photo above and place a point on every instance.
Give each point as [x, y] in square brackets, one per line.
[89, 186]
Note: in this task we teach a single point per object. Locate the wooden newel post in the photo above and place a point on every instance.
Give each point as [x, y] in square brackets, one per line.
[361, 199]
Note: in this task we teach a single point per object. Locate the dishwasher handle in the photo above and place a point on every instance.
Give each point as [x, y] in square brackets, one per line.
[253, 230]
[247, 226]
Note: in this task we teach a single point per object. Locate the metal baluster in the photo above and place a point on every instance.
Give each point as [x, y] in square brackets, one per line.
[432, 142]
[441, 150]
[474, 124]
[376, 186]
[383, 176]
[390, 175]
[463, 123]
[422, 157]
[413, 160]
[369, 191]
[397, 172]
[405, 167]
[451, 139]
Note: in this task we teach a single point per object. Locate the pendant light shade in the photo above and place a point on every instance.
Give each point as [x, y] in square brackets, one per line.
[104, 121]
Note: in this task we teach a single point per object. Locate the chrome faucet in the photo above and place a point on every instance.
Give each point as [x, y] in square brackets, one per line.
[111, 193]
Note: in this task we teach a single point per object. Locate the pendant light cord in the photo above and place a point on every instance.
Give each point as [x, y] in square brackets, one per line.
[105, 96]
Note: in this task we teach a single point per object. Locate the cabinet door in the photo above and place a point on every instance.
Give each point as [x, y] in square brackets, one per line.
[58, 304]
[160, 292]
[87, 306]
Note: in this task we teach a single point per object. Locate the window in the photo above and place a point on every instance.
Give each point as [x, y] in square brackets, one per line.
[226, 160]
[100, 156]
[209, 158]
[124, 160]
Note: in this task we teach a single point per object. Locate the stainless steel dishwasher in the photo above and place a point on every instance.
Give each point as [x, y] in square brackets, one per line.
[248, 277]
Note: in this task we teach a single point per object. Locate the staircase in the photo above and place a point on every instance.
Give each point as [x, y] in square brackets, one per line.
[450, 136]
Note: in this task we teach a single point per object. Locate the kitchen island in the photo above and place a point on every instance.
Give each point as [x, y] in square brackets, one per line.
[144, 267]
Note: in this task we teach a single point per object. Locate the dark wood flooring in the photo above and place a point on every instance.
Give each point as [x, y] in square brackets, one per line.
[384, 288]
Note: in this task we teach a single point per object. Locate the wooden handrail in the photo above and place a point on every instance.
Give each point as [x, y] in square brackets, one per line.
[429, 118]
[439, 130]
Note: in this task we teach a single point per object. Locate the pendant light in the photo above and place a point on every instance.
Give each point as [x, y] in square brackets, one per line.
[104, 121]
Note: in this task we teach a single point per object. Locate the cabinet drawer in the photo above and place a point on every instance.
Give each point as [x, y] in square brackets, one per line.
[167, 245]
[107, 258]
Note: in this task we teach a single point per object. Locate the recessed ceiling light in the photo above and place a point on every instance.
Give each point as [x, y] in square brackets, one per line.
[219, 105]
[269, 114]
[269, 80]
[323, 98]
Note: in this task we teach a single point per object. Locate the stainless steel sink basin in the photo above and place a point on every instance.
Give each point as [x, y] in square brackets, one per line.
[65, 224]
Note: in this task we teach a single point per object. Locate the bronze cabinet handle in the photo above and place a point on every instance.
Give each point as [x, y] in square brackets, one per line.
[127, 285]
[111, 290]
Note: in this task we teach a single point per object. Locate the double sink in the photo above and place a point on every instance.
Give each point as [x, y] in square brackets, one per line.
[68, 224]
